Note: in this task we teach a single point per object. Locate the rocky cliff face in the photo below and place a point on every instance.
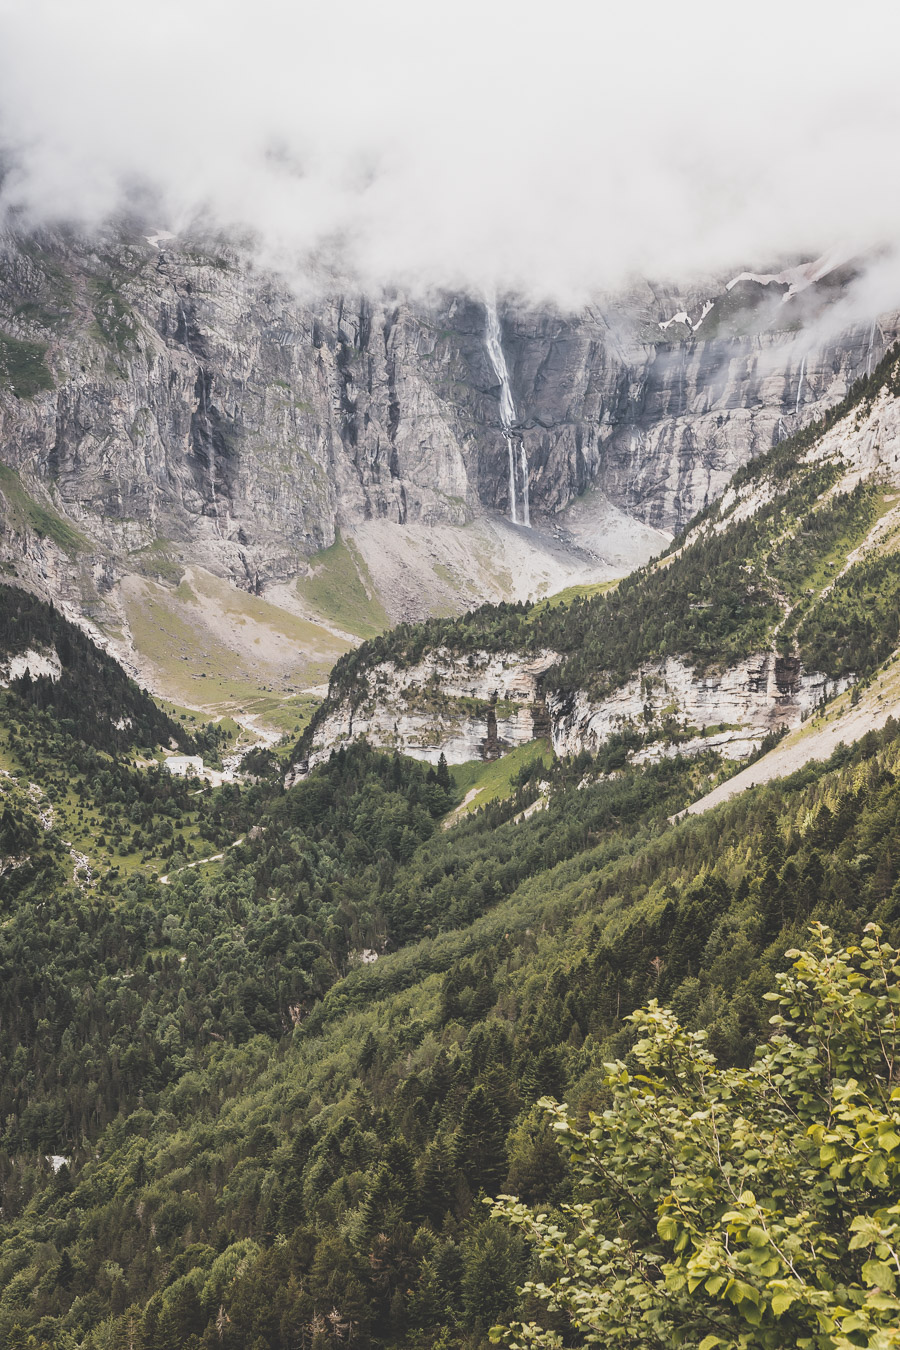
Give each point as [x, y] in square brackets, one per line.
[660, 414]
[473, 707]
[37, 664]
[742, 704]
[155, 390]
[481, 706]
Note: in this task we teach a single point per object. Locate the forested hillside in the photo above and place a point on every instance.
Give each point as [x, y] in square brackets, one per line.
[449, 677]
[269, 1052]
[728, 1206]
[92, 698]
[271, 1139]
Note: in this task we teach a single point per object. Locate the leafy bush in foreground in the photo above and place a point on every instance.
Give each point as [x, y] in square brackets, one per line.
[754, 1208]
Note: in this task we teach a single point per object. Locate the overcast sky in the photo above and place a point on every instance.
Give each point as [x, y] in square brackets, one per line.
[553, 148]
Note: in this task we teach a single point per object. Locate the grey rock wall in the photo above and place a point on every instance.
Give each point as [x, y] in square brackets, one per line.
[195, 400]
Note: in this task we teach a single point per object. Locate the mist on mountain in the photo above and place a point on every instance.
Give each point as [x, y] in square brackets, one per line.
[468, 147]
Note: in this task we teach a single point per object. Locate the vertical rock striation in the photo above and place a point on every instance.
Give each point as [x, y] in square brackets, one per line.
[155, 389]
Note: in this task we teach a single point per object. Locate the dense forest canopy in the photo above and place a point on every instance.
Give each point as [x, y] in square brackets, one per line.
[751, 1207]
[269, 1140]
[93, 697]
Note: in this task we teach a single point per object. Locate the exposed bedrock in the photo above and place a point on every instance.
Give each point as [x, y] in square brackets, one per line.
[190, 397]
[482, 705]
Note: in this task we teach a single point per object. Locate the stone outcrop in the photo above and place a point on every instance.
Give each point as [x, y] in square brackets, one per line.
[36, 664]
[480, 706]
[743, 703]
[474, 707]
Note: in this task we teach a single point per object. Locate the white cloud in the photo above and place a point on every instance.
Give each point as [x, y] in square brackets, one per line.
[550, 148]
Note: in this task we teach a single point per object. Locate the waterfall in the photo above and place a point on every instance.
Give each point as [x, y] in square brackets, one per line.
[493, 342]
[512, 481]
[637, 450]
[871, 345]
[526, 508]
[203, 410]
[800, 385]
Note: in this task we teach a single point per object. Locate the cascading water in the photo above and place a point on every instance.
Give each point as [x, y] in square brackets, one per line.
[637, 450]
[800, 385]
[871, 347]
[494, 344]
[526, 506]
[203, 409]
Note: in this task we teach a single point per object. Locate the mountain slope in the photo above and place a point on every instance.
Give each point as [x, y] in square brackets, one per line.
[304, 1153]
[257, 1105]
[267, 1048]
[777, 598]
[50, 664]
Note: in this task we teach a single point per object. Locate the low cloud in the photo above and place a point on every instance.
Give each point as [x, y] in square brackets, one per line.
[551, 150]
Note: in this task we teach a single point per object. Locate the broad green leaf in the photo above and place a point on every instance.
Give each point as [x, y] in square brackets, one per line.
[879, 1273]
[876, 1168]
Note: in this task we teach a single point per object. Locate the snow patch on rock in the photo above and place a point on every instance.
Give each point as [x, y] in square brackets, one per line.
[799, 278]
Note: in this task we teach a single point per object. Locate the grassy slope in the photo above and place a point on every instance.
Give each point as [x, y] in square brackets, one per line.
[339, 587]
[24, 510]
[493, 781]
[214, 646]
[570, 593]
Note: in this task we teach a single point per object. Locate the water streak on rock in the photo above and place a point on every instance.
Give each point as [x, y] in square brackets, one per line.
[494, 344]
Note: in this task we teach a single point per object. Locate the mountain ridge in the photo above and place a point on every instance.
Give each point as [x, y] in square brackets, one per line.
[272, 1043]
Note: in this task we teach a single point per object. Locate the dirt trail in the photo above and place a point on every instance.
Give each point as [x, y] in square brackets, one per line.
[198, 862]
[459, 811]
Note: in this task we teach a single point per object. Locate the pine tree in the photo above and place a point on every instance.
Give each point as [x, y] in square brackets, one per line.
[64, 1271]
[480, 1142]
[443, 774]
[437, 1176]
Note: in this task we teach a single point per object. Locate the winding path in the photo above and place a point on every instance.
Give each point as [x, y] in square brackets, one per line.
[198, 862]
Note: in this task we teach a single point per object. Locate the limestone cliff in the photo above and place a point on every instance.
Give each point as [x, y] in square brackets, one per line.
[475, 703]
[155, 389]
[464, 708]
[448, 705]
